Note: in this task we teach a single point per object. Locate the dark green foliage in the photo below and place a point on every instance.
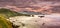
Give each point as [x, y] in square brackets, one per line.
[9, 13]
[5, 14]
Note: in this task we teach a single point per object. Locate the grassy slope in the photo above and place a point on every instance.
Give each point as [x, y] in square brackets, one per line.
[4, 23]
[9, 13]
[5, 14]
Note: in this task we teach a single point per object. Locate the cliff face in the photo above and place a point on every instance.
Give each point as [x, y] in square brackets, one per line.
[31, 5]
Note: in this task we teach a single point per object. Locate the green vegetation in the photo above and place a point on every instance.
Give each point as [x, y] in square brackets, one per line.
[4, 23]
[5, 14]
[8, 13]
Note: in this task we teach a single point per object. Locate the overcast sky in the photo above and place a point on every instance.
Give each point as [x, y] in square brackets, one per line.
[36, 5]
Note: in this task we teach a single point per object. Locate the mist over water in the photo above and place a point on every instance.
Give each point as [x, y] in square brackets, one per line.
[51, 20]
[49, 9]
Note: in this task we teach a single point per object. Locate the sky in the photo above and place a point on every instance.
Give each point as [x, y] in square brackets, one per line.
[32, 5]
[44, 6]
